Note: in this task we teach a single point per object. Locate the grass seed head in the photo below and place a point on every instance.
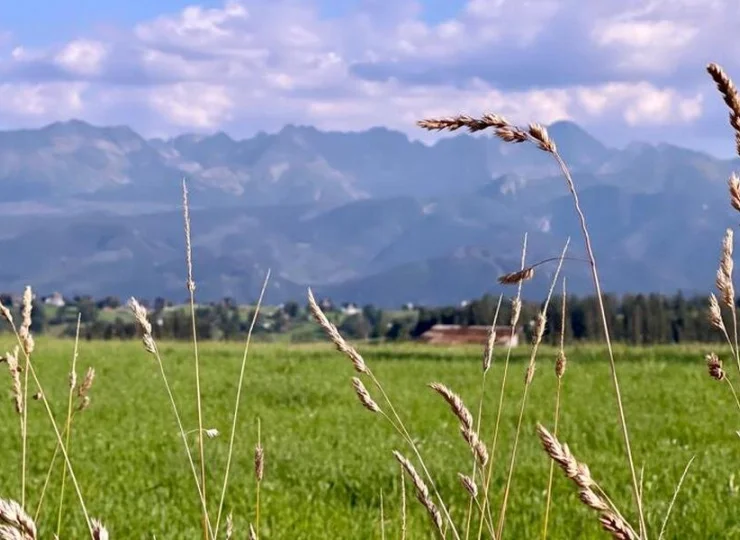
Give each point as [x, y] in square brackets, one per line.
[99, 530]
[15, 517]
[714, 366]
[456, 404]
[469, 485]
[517, 277]
[364, 396]
[259, 462]
[331, 331]
[560, 364]
[734, 187]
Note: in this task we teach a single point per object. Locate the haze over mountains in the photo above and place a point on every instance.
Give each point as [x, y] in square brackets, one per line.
[363, 217]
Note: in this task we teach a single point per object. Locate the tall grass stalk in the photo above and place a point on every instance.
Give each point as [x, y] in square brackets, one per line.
[538, 331]
[198, 398]
[237, 401]
[361, 367]
[487, 361]
[537, 135]
[151, 347]
[68, 423]
[514, 321]
[27, 346]
[560, 363]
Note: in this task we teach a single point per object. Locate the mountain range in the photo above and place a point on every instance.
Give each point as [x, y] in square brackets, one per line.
[368, 217]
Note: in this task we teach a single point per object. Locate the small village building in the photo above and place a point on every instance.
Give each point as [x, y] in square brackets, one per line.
[452, 334]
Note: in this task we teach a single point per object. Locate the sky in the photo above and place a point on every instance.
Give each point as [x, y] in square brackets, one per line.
[627, 70]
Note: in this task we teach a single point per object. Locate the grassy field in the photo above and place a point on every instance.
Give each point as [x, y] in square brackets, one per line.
[327, 459]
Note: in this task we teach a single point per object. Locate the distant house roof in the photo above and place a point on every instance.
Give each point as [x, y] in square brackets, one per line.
[455, 333]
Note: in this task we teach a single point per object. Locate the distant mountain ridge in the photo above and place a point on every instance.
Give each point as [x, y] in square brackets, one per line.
[365, 216]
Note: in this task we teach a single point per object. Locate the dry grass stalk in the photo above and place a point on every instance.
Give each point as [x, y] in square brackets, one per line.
[190, 286]
[364, 396]
[539, 331]
[333, 334]
[29, 368]
[15, 517]
[469, 484]
[422, 492]
[403, 505]
[237, 400]
[611, 520]
[730, 95]
[516, 309]
[560, 365]
[141, 318]
[394, 419]
[252, 533]
[540, 138]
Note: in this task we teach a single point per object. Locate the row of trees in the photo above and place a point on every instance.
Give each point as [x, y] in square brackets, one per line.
[635, 319]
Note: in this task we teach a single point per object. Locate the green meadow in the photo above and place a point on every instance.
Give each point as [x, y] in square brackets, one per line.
[328, 459]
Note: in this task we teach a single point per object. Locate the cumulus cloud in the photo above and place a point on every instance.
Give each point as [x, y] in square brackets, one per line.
[259, 64]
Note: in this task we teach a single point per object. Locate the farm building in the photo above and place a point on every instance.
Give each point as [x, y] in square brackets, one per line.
[449, 334]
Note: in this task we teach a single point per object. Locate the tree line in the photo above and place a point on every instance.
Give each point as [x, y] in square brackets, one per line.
[632, 318]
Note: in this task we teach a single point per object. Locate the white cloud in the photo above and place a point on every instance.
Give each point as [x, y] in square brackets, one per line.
[84, 57]
[193, 104]
[255, 65]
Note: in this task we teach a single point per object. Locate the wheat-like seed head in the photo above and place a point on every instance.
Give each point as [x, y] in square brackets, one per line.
[456, 404]
[469, 485]
[714, 366]
[331, 331]
[140, 316]
[259, 462]
[714, 313]
[364, 396]
[488, 351]
[616, 526]
[229, 526]
[560, 364]
[592, 500]
[190, 283]
[83, 404]
[730, 95]
[99, 531]
[13, 516]
[539, 327]
[15, 376]
[6, 313]
[529, 373]
[86, 382]
[477, 446]
[610, 521]
[24, 331]
[516, 311]
[513, 278]
[72, 380]
[540, 136]
[734, 186]
[422, 491]
[560, 453]
[453, 123]
[212, 433]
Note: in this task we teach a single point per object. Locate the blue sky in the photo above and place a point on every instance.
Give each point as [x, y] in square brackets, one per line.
[627, 70]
